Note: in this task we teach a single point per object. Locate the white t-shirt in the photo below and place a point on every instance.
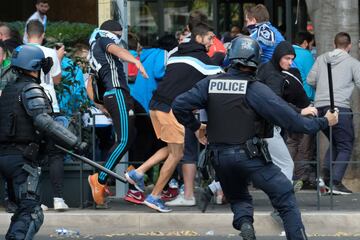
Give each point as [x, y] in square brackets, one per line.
[35, 16]
[47, 80]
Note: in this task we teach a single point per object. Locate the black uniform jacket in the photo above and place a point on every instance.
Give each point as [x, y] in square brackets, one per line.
[258, 96]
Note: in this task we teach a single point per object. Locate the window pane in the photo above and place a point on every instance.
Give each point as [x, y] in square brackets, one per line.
[143, 20]
[176, 13]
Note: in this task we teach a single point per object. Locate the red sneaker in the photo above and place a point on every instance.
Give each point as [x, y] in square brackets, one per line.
[108, 192]
[135, 196]
[169, 194]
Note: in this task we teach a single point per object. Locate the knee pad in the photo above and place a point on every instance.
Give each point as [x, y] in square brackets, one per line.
[37, 219]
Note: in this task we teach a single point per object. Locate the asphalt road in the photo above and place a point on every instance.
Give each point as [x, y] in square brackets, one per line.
[179, 238]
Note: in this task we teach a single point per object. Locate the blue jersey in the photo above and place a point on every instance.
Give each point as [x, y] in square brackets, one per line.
[268, 37]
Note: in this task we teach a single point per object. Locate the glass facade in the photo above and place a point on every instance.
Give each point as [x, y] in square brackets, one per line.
[144, 20]
[151, 19]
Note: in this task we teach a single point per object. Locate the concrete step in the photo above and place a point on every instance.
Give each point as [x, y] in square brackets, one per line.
[100, 222]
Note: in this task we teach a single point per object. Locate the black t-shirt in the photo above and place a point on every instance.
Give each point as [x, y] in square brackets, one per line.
[112, 69]
[184, 69]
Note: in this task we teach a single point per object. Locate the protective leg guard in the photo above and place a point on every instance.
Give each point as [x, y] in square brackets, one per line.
[37, 219]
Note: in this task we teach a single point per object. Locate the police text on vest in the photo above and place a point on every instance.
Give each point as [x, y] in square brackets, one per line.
[228, 86]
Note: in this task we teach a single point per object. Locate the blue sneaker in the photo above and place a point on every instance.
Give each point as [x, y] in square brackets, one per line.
[136, 179]
[156, 203]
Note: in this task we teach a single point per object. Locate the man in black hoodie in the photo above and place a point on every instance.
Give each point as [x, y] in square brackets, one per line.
[184, 69]
[281, 78]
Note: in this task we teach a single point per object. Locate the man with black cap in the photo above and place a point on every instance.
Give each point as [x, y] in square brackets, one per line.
[105, 59]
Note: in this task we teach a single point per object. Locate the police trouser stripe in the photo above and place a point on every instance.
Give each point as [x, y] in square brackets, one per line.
[124, 133]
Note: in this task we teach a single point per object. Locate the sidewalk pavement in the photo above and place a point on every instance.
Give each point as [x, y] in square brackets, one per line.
[122, 217]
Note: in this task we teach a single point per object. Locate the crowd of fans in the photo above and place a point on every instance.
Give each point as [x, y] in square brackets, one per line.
[287, 69]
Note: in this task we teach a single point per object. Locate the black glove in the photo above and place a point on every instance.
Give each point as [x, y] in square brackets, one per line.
[80, 147]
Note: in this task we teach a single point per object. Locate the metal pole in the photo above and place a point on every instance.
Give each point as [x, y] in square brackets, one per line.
[289, 20]
[318, 169]
[331, 170]
[216, 16]
[81, 163]
[94, 164]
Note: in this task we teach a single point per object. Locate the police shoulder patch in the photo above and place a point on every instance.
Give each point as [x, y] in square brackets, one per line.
[228, 86]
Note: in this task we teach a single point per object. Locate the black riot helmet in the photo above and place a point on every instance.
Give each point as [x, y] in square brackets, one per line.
[245, 51]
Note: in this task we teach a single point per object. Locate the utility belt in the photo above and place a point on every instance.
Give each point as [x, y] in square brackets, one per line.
[30, 151]
[254, 148]
[12, 148]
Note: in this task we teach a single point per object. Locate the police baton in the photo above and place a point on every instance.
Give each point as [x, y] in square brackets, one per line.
[94, 164]
[331, 91]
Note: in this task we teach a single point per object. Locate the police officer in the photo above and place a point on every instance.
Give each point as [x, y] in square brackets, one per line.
[240, 110]
[24, 125]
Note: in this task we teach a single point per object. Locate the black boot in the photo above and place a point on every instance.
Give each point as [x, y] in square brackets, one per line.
[10, 206]
[204, 198]
[247, 231]
[326, 176]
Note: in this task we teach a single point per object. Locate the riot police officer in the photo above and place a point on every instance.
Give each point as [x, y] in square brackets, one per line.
[24, 125]
[240, 110]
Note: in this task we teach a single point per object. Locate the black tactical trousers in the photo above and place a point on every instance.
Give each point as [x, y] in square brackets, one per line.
[236, 170]
[28, 217]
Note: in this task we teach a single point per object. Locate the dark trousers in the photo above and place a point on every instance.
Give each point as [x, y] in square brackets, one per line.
[120, 107]
[343, 141]
[11, 168]
[302, 148]
[56, 172]
[236, 170]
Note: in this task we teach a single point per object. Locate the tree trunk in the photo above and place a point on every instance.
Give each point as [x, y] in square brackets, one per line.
[330, 17]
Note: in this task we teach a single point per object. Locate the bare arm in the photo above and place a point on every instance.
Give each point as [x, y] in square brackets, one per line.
[313, 74]
[127, 57]
[57, 79]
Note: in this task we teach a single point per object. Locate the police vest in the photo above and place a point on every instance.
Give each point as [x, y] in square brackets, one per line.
[230, 119]
[16, 126]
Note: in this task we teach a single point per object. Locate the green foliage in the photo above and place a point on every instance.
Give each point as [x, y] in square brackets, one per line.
[64, 32]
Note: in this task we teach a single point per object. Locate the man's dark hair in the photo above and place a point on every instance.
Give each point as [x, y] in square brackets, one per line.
[167, 42]
[342, 40]
[2, 45]
[34, 28]
[111, 25]
[42, 1]
[259, 12]
[201, 29]
[300, 37]
[196, 17]
[132, 41]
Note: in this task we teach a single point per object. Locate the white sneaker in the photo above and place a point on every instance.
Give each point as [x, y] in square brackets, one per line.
[181, 201]
[60, 205]
[44, 207]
